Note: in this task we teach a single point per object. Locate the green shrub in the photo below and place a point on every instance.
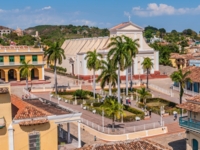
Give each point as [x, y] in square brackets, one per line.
[81, 94]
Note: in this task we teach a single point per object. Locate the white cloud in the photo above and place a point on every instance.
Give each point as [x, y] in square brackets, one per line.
[46, 8]
[154, 9]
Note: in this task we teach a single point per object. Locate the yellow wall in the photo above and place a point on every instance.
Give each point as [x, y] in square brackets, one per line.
[48, 136]
[174, 63]
[5, 111]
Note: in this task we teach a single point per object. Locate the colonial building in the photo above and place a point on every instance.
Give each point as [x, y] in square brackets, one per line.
[4, 30]
[33, 123]
[19, 32]
[191, 122]
[76, 49]
[11, 58]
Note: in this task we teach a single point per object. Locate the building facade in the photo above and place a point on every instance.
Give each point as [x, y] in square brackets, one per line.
[4, 30]
[33, 124]
[191, 122]
[76, 49]
[11, 58]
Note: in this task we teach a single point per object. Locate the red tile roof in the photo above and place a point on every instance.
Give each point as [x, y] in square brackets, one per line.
[194, 75]
[190, 106]
[127, 145]
[27, 111]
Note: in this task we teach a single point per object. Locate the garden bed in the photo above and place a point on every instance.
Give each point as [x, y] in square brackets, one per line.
[154, 105]
[130, 113]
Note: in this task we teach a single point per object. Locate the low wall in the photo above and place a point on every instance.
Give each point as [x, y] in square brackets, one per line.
[122, 137]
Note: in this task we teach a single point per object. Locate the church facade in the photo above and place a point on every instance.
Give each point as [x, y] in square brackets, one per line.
[76, 49]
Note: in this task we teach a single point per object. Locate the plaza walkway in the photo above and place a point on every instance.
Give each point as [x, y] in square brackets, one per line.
[97, 119]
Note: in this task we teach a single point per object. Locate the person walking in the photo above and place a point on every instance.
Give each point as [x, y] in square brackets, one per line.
[150, 113]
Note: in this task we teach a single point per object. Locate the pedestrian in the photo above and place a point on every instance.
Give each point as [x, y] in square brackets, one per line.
[175, 116]
[150, 113]
[22, 96]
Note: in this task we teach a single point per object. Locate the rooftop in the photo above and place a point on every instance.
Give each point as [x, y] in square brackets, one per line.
[127, 145]
[194, 75]
[29, 109]
[124, 24]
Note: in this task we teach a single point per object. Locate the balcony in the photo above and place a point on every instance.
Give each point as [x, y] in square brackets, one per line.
[18, 63]
[189, 123]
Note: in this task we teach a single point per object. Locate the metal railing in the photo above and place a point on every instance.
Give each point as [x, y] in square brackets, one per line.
[188, 92]
[159, 89]
[189, 123]
[18, 63]
[121, 130]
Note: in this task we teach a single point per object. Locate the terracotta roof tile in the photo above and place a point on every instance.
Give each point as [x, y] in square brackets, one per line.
[194, 98]
[190, 106]
[127, 145]
[33, 122]
[194, 75]
[27, 111]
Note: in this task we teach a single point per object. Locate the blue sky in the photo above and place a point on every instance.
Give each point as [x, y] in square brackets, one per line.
[170, 14]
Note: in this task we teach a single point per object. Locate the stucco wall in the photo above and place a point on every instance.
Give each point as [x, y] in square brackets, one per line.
[48, 136]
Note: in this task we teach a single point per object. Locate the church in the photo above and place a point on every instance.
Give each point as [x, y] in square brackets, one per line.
[76, 49]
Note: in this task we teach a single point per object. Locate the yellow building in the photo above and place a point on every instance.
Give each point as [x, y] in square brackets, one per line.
[180, 60]
[33, 124]
[191, 122]
[11, 58]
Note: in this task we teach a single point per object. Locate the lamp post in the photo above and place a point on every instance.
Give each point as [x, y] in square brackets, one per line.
[103, 119]
[161, 115]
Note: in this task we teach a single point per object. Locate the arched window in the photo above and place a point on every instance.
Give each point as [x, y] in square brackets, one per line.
[195, 144]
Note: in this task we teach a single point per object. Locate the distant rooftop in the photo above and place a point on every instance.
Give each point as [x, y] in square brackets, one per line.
[126, 145]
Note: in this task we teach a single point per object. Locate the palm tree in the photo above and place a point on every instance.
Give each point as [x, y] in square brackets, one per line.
[113, 108]
[131, 46]
[181, 78]
[119, 56]
[55, 54]
[144, 94]
[147, 64]
[108, 76]
[25, 70]
[94, 63]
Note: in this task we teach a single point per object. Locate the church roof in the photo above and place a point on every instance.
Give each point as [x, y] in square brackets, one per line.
[123, 25]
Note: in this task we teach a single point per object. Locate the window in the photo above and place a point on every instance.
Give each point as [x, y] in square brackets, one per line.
[22, 58]
[34, 58]
[1, 59]
[195, 144]
[34, 141]
[11, 59]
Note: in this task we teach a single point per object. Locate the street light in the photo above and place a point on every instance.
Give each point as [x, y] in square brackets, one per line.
[161, 115]
[103, 119]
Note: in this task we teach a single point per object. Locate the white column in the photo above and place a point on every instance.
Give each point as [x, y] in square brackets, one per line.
[79, 135]
[156, 60]
[136, 65]
[10, 137]
[84, 66]
[42, 72]
[141, 41]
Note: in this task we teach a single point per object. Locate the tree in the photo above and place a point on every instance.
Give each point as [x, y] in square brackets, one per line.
[93, 63]
[181, 78]
[80, 94]
[55, 54]
[147, 64]
[113, 108]
[119, 56]
[25, 70]
[108, 75]
[144, 94]
[132, 47]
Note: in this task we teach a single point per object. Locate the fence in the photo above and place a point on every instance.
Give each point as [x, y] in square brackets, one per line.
[159, 89]
[188, 92]
[121, 130]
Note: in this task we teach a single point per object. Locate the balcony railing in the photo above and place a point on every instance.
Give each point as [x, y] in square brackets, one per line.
[18, 63]
[189, 123]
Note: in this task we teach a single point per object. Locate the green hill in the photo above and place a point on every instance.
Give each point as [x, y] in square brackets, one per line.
[51, 33]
